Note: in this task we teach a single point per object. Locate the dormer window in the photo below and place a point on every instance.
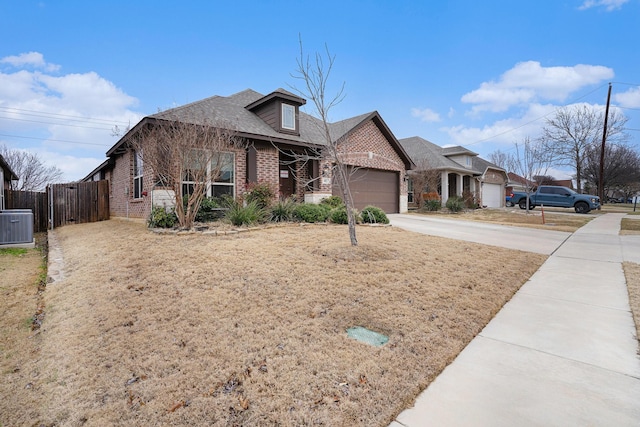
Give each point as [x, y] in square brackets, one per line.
[288, 117]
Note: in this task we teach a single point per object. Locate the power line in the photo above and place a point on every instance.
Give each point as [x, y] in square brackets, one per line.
[54, 123]
[54, 140]
[66, 116]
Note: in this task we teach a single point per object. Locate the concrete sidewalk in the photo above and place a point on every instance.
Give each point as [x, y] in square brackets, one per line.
[562, 352]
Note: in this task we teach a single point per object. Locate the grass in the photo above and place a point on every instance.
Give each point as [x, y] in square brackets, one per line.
[19, 278]
[250, 329]
[632, 274]
[13, 251]
[620, 208]
[630, 226]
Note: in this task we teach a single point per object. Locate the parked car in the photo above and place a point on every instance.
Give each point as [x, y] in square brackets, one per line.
[553, 196]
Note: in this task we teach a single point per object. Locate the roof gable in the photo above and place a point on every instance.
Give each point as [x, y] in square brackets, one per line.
[9, 175]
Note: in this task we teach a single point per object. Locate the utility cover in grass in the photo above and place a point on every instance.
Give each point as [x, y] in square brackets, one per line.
[367, 336]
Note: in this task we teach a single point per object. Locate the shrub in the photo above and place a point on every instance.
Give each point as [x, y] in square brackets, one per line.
[332, 201]
[432, 205]
[209, 210]
[161, 218]
[263, 194]
[283, 211]
[455, 204]
[374, 215]
[339, 215]
[309, 212]
[245, 215]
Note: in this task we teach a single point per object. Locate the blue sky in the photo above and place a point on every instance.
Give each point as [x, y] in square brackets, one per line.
[482, 74]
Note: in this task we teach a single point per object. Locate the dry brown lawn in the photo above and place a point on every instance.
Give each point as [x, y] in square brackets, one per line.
[20, 272]
[630, 226]
[632, 274]
[249, 329]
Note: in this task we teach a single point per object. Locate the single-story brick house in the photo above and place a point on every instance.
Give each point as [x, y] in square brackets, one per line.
[461, 171]
[6, 176]
[277, 136]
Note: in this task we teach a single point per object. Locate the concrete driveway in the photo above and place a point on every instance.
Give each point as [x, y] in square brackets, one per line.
[525, 239]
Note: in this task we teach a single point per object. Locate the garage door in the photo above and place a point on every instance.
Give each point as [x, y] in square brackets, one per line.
[374, 187]
[492, 195]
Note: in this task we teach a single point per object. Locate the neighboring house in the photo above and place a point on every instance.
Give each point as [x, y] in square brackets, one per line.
[102, 172]
[518, 183]
[6, 176]
[461, 171]
[277, 136]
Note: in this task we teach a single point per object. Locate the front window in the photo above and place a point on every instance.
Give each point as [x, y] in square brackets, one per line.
[288, 117]
[224, 183]
[138, 172]
[220, 173]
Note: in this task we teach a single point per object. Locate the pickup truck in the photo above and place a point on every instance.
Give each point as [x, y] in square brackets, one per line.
[553, 196]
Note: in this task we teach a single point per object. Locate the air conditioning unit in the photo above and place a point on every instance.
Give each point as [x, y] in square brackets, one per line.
[16, 226]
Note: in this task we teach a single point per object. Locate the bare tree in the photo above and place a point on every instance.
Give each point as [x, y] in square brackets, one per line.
[314, 77]
[501, 159]
[621, 167]
[530, 160]
[33, 174]
[185, 158]
[424, 178]
[573, 130]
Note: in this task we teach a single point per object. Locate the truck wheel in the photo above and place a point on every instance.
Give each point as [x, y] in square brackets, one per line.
[523, 204]
[582, 208]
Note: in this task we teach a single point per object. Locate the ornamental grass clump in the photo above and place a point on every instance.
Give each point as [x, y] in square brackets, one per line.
[283, 211]
[239, 215]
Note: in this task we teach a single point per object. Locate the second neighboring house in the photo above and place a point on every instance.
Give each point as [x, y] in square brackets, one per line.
[461, 172]
[6, 176]
[277, 136]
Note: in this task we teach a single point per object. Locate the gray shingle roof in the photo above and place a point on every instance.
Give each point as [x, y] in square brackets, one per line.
[427, 154]
[424, 152]
[232, 110]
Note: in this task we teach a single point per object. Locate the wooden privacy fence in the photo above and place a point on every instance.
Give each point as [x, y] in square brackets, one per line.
[63, 204]
[79, 202]
[36, 201]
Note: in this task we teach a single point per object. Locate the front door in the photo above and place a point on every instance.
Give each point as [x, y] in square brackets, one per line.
[287, 177]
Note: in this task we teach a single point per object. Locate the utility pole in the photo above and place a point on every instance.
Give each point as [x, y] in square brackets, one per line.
[604, 139]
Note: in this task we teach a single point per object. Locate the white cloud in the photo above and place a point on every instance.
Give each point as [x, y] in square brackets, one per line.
[426, 115]
[629, 99]
[505, 131]
[609, 5]
[33, 59]
[530, 82]
[67, 118]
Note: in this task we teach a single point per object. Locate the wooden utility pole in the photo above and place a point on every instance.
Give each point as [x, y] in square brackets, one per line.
[604, 139]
